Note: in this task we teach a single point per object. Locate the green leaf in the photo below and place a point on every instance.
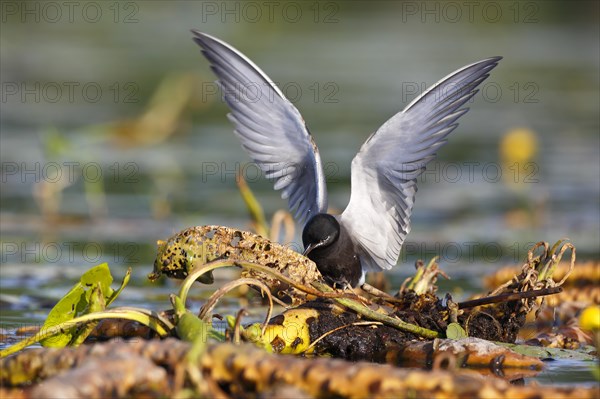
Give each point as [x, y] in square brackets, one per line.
[78, 301]
[178, 305]
[96, 303]
[66, 309]
[98, 274]
[455, 331]
[189, 327]
[123, 284]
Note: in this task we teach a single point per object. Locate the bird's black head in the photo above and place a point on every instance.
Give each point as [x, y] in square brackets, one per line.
[320, 231]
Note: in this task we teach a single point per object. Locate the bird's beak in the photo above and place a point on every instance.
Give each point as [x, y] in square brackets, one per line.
[315, 245]
[311, 247]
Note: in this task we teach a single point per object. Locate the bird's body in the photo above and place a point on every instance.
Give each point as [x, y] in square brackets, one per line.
[330, 246]
[369, 234]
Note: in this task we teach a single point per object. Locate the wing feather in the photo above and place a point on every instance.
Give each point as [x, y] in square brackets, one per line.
[385, 170]
[270, 128]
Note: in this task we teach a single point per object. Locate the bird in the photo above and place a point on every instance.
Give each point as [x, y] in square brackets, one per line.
[368, 235]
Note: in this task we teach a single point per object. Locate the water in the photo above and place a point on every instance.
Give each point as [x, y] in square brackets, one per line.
[567, 372]
[80, 186]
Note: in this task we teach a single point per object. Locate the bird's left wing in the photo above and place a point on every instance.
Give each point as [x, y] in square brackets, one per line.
[271, 129]
[385, 170]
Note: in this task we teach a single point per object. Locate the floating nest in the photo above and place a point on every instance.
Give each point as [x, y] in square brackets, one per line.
[324, 343]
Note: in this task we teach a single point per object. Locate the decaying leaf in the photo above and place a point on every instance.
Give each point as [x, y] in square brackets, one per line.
[286, 333]
[586, 273]
[196, 246]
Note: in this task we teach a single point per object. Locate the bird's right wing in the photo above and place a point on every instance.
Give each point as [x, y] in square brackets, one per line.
[271, 129]
[385, 170]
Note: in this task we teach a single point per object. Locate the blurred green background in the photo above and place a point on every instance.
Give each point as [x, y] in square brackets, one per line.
[113, 134]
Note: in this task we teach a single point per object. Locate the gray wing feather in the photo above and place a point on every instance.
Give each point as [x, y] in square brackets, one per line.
[385, 170]
[271, 129]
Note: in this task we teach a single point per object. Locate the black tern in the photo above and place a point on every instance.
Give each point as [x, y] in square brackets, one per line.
[368, 235]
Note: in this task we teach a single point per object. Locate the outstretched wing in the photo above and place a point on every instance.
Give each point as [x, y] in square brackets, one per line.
[271, 129]
[385, 170]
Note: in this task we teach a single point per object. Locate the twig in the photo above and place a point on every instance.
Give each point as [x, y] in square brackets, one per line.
[205, 268]
[369, 289]
[236, 327]
[212, 301]
[510, 296]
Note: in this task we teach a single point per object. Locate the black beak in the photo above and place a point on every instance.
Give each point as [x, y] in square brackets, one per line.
[314, 245]
[311, 247]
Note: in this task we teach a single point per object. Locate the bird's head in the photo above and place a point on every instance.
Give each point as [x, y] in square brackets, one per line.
[320, 231]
